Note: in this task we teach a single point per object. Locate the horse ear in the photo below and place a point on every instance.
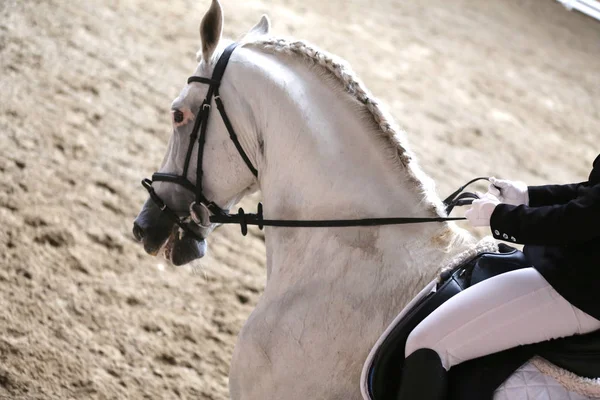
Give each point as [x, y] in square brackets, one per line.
[262, 28]
[211, 29]
[258, 30]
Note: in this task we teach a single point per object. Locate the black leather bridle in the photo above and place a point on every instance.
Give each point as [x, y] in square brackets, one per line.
[201, 205]
[204, 212]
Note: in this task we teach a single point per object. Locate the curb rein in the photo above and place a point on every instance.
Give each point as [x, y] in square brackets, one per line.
[204, 212]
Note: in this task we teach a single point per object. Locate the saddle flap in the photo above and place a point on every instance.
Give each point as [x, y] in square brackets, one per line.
[383, 379]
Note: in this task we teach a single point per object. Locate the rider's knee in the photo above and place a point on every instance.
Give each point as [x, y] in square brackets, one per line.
[416, 340]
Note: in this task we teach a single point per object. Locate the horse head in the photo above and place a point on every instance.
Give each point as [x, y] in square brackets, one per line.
[202, 170]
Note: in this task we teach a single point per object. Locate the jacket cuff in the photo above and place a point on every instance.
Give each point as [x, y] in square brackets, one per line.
[499, 224]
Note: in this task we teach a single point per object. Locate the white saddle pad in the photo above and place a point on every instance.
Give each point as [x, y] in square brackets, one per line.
[528, 383]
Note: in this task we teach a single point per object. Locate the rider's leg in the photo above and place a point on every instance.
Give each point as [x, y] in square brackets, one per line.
[516, 308]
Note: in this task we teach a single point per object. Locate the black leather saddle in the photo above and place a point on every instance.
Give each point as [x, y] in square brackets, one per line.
[477, 379]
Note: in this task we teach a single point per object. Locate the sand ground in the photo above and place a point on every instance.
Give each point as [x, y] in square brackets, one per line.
[510, 88]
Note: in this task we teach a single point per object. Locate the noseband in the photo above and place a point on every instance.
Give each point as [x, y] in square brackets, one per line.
[204, 212]
[201, 205]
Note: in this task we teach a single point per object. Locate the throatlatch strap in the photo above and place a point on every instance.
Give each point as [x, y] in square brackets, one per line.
[233, 136]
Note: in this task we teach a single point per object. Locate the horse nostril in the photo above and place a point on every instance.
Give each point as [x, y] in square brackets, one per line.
[138, 232]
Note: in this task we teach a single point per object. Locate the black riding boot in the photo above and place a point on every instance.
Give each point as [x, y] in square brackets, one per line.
[423, 377]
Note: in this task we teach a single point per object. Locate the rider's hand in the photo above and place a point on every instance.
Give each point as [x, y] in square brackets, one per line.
[481, 210]
[509, 192]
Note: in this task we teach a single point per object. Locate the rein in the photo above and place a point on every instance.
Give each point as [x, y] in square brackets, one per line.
[455, 199]
[204, 212]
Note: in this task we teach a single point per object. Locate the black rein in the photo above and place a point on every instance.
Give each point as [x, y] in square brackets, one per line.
[455, 199]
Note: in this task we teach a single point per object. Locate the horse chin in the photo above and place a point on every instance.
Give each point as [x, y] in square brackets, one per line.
[183, 249]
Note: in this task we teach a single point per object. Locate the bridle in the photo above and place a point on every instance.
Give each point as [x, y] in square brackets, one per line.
[201, 205]
[204, 212]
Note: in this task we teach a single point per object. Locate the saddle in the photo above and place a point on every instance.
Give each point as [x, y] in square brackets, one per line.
[479, 378]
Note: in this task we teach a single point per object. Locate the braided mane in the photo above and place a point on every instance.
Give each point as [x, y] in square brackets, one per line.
[340, 69]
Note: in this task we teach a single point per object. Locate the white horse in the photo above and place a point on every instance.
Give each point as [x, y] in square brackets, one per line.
[324, 148]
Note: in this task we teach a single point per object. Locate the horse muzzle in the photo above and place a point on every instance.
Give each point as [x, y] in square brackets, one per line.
[158, 232]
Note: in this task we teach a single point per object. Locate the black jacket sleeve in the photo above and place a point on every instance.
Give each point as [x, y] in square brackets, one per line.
[576, 221]
[549, 195]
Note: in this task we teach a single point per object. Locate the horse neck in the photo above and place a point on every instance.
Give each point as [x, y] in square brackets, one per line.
[323, 159]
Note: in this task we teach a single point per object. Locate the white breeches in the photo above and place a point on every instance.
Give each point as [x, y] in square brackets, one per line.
[516, 308]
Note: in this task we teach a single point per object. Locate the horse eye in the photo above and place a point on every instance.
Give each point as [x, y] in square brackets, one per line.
[177, 116]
